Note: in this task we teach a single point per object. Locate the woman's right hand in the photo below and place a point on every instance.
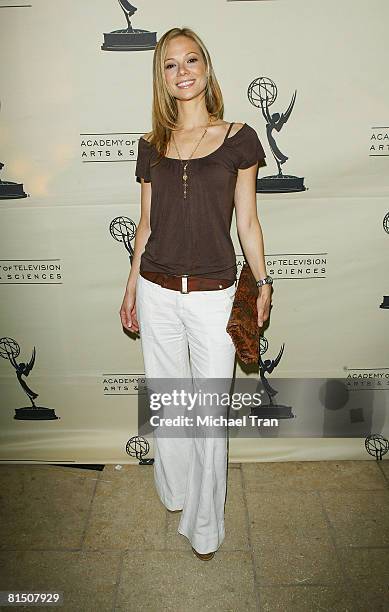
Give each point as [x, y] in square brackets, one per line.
[128, 312]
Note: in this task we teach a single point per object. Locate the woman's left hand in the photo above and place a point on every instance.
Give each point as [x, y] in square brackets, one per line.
[264, 303]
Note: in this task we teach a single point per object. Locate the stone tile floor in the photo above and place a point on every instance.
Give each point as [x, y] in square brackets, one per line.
[300, 536]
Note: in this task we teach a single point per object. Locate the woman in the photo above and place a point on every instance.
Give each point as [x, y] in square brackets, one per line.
[193, 167]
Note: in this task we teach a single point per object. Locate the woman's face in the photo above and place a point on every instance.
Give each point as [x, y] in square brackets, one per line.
[185, 69]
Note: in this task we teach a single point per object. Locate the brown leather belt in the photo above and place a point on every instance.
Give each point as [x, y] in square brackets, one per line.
[185, 283]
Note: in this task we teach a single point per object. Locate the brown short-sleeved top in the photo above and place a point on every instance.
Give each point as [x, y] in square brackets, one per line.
[192, 235]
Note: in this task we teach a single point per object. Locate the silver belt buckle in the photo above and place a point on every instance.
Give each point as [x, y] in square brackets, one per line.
[184, 283]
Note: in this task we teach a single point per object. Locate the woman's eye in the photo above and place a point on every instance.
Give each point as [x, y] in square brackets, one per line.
[191, 59]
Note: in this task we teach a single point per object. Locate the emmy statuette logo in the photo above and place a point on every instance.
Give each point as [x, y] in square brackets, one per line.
[377, 446]
[262, 93]
[129, 39]
[270, 410]
[10, 349]
[10, 190]
[139, 447]
[123, 229]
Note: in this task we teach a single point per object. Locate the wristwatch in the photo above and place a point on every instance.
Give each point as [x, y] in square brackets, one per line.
[264, 281]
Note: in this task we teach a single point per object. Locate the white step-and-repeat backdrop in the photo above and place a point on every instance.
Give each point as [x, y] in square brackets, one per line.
[311, 78]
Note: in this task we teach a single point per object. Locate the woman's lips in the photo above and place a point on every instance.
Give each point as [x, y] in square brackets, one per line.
[185, 84]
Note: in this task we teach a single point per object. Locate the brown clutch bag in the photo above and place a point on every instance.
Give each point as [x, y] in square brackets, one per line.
[243, 322]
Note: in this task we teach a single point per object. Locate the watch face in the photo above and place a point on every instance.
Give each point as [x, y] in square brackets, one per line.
[265, 281]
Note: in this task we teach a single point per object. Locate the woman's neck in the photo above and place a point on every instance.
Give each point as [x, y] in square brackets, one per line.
[191, 117]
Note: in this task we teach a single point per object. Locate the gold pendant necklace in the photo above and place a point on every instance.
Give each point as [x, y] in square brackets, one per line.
[185, 175]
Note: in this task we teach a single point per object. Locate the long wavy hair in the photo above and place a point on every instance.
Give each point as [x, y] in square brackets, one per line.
[164, 109]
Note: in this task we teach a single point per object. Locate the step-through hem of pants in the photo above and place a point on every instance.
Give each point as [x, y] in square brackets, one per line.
[168, 501]
[204, 544]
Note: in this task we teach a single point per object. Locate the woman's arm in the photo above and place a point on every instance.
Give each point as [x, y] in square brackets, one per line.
[250, 235]
[142, 235]
[127, 311]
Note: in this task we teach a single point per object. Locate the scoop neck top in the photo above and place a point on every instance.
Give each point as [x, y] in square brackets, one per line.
[227, 137]
[192, 235]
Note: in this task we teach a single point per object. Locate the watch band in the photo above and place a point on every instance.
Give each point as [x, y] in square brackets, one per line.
[264, 281]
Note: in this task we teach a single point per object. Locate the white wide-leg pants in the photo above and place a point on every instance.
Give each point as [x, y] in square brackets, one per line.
[189, 473]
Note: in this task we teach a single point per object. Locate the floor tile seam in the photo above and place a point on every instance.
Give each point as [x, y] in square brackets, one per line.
[247, 521]
[361, 546]
[140, 548]
[118, 580]
[331, 529]
[386, 476]
[310, 585]
[144, 548]
[315, 489]
[88, 515]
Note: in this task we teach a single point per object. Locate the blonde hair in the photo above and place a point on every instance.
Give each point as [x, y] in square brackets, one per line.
[164, 109]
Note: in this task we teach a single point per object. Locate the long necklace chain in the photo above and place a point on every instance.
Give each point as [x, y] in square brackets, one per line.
[185, 176]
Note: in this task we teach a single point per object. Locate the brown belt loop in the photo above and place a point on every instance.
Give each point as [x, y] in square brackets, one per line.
[185, 283]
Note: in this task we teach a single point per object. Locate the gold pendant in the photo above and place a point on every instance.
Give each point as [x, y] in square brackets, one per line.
[185, 177]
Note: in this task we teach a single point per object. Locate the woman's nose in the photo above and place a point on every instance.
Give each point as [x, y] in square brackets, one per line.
[182, 69]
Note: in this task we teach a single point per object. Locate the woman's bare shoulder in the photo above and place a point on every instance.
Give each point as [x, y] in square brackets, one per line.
[223, 127]
[147, 136]
[235, 128]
